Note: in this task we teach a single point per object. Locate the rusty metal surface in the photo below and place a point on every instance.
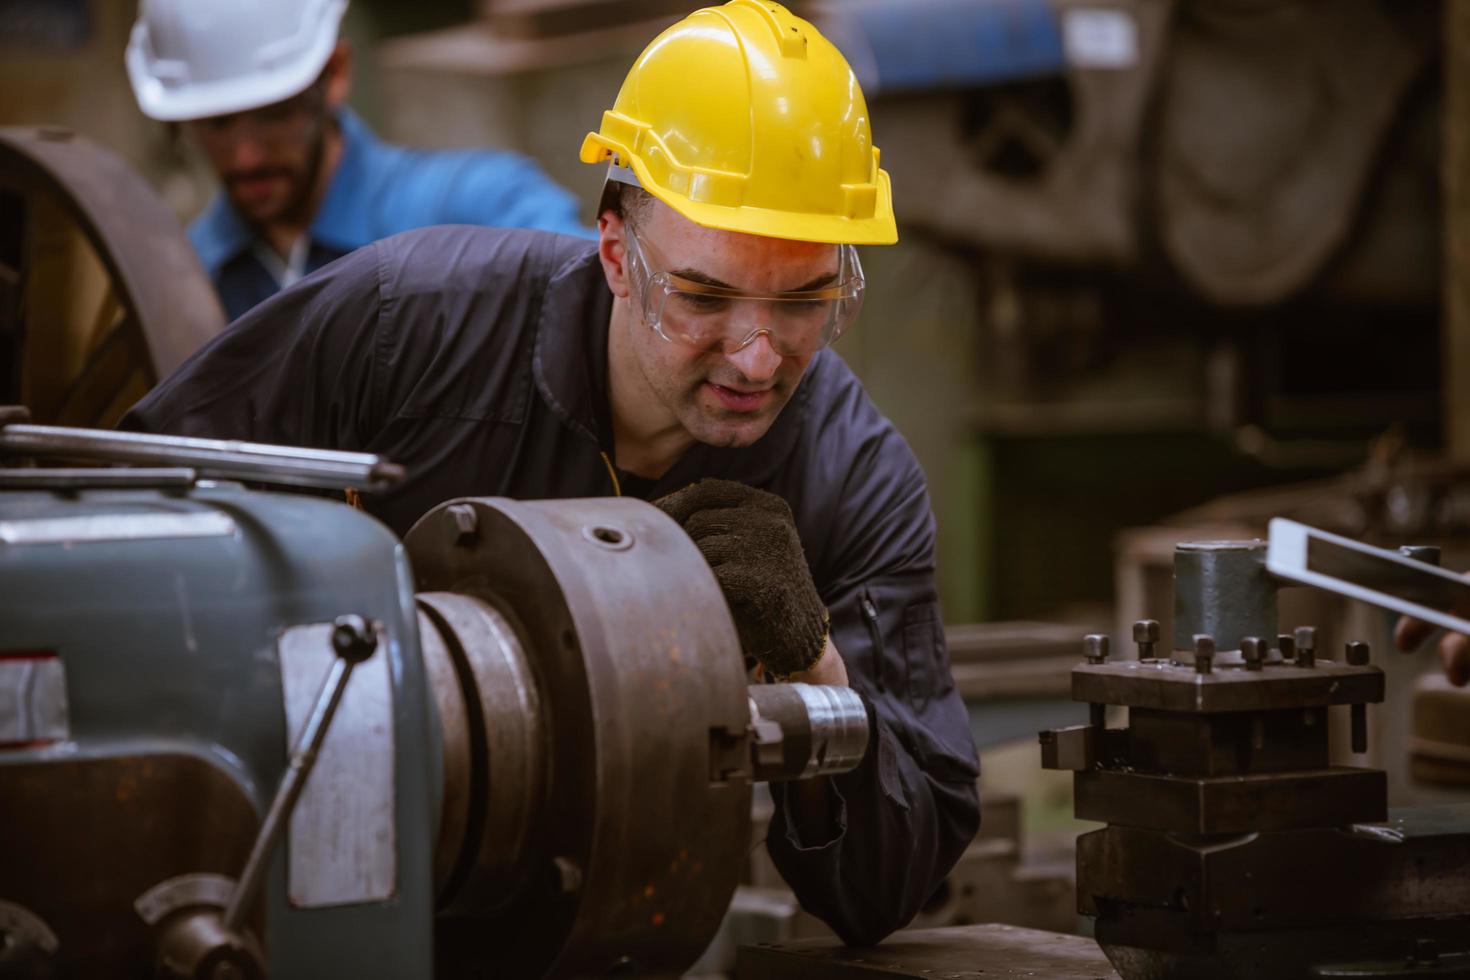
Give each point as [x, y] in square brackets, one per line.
[1165, 687]
[635, 851]
[84, 838]
[980, 952]
[168, 306]
[1236, 804]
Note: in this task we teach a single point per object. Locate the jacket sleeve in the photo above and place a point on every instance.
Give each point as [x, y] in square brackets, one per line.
[298, 369]
[902, 819]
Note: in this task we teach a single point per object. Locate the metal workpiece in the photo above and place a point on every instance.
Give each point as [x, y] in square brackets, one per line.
[823, 730]
[636, 837]
[228, 459]
[1222, 588]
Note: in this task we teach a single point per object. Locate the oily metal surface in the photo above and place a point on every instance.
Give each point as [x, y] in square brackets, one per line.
[1237, 804]
[1411, 866]
[982, 952]
[83, 838]
[638, 666]
[169, 306]
[1168, 687]
[1222, 588]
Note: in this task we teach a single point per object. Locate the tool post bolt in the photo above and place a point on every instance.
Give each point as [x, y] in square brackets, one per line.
[1096, 647]
[1204, 653]
[1146, 635]
[1357, 653]
[1251, 648]
[1286, 643]
[1306, 646]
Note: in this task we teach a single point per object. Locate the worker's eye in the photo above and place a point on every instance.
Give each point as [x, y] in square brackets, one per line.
[700, 304]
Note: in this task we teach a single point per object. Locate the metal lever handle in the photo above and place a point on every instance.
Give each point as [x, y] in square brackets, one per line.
[354, 639]
[288, 465]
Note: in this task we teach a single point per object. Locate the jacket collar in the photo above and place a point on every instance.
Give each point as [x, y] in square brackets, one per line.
[570, 367]
[342, 222]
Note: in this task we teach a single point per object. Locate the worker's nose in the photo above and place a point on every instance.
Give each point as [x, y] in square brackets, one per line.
[246, 152]
[757, 361]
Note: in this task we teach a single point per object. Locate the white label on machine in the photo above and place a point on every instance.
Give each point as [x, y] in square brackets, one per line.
[1099, 37]
[342, 843]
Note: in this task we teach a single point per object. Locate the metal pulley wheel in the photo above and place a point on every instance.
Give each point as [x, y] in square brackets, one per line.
[101, 294]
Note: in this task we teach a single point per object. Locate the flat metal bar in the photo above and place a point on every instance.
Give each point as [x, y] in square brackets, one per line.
[303, 758]
[258, 462]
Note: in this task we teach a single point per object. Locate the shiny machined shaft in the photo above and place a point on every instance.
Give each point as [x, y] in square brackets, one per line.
[823, 730]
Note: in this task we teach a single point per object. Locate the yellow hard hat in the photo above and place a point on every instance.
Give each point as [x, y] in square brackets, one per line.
[744, 118]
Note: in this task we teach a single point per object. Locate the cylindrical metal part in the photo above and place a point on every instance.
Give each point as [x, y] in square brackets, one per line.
[260, 463]
[1096, 647]
[824, 729]
[494, 738]
[1306, 646]
[1359, 716]
[1222, 588]
[1358, 653]
[1146, 635]
[1285, 649]
[1203, 653]
[1251, 650]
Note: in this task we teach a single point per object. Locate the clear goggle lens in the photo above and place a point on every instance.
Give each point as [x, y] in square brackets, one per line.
[714, 318]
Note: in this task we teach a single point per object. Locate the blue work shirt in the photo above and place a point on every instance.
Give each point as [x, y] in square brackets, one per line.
[379, 190]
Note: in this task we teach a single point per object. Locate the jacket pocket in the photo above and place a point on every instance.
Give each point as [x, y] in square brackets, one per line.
[921, 652]
[869, 609]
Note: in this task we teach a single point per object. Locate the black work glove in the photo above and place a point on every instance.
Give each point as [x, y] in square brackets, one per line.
[749, 538]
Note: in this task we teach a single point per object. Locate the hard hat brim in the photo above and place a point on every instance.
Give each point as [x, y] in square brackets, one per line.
[880, 229]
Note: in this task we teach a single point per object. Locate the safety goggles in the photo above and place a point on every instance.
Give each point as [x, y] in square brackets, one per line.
[718, 318]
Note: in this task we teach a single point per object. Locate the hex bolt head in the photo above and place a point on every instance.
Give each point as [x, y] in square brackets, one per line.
[1146, 634]
[1252, 648]
[1287, 645]
[354, 638]
[1204, 653]
[1358, 653]
[466, 524]
[1427, 553]
[1306, 646]
[1095, 647]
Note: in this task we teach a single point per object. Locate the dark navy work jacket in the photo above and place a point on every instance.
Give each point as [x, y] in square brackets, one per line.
[477, 359]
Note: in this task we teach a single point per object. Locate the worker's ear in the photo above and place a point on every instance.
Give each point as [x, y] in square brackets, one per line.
[613, 252]
[338, 76]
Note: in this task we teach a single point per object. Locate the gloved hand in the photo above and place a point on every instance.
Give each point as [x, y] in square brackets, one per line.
[749, 538]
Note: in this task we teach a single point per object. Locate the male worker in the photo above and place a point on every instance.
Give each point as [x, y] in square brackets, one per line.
[679, 359]
[261, 88]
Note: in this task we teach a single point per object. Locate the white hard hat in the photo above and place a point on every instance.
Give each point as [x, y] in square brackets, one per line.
[191, 59]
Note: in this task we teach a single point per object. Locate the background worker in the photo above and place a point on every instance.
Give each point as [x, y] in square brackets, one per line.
[681, 358]
[261, 88]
